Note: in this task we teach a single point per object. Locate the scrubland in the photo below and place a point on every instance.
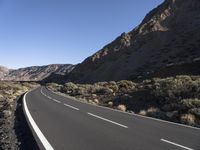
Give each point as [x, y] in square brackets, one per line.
[174, 99]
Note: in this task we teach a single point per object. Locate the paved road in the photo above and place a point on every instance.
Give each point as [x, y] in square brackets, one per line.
[65, 124]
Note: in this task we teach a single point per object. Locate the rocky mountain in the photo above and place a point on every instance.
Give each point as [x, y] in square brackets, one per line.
[169, 35]
[35, 73]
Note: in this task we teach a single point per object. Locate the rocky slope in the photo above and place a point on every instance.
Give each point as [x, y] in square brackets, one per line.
[14, 131]
[35, 73]
[168, 35]
[3, 71]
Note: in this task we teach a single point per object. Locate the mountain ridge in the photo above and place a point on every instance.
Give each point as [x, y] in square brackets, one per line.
[34, 73]
[169, 34]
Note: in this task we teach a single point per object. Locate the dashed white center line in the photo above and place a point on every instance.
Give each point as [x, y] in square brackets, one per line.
[169, 142]
[71, 106]
[49, 97]
[107, 120]
[55, 100]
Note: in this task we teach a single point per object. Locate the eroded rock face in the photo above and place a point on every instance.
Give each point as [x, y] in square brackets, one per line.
[169, 34]
[35, 73]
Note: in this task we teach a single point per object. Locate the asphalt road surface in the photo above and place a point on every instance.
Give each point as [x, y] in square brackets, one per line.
[61, 123]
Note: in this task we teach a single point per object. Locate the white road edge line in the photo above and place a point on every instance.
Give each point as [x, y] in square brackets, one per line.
[38, 132]
[71, 106]
[176, 144]
[107, 120]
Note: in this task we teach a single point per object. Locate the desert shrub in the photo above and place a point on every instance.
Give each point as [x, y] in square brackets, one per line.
[154, 112]
[188, 119]
[101, 84]
[121, 107]
[16, 87]
[190, 103]
[54, 86]
[195, 111]
[179, 87]
[104, 90]
[26, 84]
[80, 91]
[110, 104]
[113, 85]
[69, 87]
[96, 101]
[170, 107]
[86, 87]
[143, 112]
[125, 85]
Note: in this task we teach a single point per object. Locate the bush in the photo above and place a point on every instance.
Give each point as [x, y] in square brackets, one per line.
[171, 107]
[121, 107]
[110, 104]
[168, 97]
[54, 86]
[180, 87]
[103, 90]
[125, 85]
[143, 112]
[69, 87]
[195, 111]
[188, 119]
[190, 103]
[113, 85]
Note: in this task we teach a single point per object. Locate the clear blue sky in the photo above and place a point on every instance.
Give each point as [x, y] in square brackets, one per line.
[39, 32]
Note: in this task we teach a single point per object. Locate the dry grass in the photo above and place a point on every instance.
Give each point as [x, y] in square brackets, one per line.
[189, 119]
[143, 112]
[110, 104]
[96, 101]
[152, 110]
[121, 107]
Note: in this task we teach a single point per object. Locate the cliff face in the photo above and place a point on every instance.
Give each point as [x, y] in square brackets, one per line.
[168, 35]
[36, 73]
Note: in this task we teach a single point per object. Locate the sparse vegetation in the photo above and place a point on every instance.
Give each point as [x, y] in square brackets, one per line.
[121, 107]
[174, 98]
[9, 93]
[188, 119]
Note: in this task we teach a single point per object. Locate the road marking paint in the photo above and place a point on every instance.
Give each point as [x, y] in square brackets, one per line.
[132, 114]
[71, 106]
[107, 120]
[55, 100]
[38, 132]
[176, 144]
[49, 97]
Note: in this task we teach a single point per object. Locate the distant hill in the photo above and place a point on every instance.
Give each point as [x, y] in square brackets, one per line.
[34, 73]
[168, 36]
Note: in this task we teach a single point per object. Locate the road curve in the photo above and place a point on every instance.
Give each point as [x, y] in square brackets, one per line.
[61, 123]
